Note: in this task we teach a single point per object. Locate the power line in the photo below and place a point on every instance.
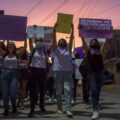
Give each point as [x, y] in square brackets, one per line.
[95, 5]
[87, 8]
[56, 9]
[112, 12]
[83, 6]
[34, 7]
[107, 10]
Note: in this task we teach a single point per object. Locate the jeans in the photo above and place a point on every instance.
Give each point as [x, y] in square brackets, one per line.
[95, 83]
[9, 82]
[63, 80]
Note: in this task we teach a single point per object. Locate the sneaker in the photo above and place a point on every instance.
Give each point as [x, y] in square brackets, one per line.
[69, 114]
[95, 115]
[50, 100]
[5, 113]
[14, 111]
[88, 106]
[73, 102]
[31, 114]
[54, 100]
[60, 111]
[43, 109]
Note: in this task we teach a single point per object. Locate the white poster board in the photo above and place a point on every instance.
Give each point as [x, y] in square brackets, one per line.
[35, 32]
[44, 32]
[48, 35]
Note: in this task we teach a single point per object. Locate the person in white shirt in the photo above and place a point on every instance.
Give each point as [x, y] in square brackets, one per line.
[9, 77]
[62, 68]
[38, 66]
[76, 61]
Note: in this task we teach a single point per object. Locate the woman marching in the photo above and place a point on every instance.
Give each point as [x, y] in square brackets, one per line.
[38, 66]
[9, 77]
[2, 49]
[95, 61]
[62, 68]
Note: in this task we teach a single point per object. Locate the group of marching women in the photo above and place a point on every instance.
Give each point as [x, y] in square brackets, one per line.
[64, 70]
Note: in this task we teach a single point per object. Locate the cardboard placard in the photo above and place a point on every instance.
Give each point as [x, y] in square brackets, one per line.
[48, 33]
[95, 28]
[35, 32]
[64, 22]
[13, 27]
[44, 32]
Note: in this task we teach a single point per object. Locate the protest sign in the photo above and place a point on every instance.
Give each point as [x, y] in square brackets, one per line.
[13, 27]
[95, 28]
[48, 33]
[64, 22]
[35, 31]
[41, 32]
[100, 40]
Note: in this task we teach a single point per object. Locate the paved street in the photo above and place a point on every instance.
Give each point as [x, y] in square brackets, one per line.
[109, 105]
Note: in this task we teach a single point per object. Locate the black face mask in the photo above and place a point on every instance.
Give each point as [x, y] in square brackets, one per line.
[94, 46]
[62, 45]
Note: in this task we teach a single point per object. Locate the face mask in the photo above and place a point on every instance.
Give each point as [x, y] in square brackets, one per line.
[94, 46]
[62, 45]
[38, 45]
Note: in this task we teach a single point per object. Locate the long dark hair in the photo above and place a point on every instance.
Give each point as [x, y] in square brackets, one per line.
[88, 55]
[7, 51]
[24, 54]
[2, 46]
[97, 45]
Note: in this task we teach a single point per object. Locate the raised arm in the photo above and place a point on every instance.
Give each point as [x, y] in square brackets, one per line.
[2, 48]
[21, 51]
[104, 48]
[85, 46]
[54, 38]
[31, 44]
[71, 39]
[25, 44]
[2, 52]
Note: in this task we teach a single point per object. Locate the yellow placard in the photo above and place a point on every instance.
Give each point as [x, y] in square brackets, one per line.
[64, 22]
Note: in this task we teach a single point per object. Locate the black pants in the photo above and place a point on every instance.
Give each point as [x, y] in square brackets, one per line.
[75, 88]
[50, 87]
[85, 90]
[37, 86]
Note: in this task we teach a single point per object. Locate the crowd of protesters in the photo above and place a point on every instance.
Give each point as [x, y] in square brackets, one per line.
[55, 70]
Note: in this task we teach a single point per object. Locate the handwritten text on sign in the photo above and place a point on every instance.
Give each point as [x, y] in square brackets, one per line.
[48, 40]
[99, 28]
[38, 32]
[64, 22]
[35, 32]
